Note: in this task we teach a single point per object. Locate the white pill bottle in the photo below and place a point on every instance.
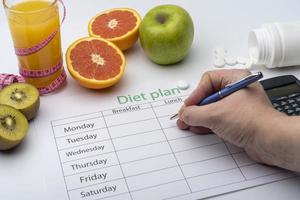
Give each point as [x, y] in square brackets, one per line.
[275, 45]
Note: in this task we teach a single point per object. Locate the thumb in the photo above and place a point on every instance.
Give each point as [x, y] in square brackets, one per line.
[204, 89]
[199, 115]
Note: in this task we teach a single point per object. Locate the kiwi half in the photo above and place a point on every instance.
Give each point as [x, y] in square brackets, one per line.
[13, 127]
[22, 96]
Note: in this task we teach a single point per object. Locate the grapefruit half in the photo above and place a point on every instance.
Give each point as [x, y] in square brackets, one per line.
[119, 25]
[95, 63]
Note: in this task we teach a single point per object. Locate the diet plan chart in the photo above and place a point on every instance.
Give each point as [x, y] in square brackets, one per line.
[134, 151]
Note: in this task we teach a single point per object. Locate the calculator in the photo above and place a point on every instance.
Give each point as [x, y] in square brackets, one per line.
[284, 93]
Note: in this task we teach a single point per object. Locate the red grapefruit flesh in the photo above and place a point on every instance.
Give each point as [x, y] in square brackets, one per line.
[95, 63]
[119, 26]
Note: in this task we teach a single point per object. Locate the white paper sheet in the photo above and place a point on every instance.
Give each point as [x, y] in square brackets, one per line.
[133, 151]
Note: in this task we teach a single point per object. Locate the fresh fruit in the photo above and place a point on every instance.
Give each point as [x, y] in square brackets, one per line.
[22, 96]
[166, 34]
[119, 26]
[13, 127]
[95, 62]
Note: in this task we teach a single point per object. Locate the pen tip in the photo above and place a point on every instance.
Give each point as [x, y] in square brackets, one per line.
[174, 116]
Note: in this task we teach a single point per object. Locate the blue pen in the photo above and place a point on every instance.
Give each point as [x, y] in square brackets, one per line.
[229, 89]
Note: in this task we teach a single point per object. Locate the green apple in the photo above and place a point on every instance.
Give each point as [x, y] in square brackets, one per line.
[166, 34]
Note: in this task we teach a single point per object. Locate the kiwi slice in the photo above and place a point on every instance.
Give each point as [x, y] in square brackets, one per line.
[13, 127]
[22, 96]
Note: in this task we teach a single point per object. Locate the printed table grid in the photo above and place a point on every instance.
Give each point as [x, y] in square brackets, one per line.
[117, 158]
[176, 156]
[172, 150]
[235, 161]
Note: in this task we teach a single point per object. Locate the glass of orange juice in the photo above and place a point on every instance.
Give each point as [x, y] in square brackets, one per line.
[35, 30]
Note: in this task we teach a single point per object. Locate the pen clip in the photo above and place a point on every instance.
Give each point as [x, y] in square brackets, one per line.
[243, 79]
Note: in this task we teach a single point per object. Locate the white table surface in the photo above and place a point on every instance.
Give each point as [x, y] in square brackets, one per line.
[217, 22]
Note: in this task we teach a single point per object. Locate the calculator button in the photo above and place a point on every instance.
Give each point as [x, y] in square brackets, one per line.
[275, 105]
[291, 101]
[294, 105]
[279, 109]
[281, 98]
[298, 99]
[294, 95]
[297, 109]
[283, 103]
[289, 112]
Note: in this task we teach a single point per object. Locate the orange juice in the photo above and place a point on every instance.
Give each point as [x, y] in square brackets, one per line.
[31, 22]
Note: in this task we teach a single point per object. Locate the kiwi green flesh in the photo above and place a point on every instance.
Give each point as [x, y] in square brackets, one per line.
[13, 127]
[13, 124]
[23, 97]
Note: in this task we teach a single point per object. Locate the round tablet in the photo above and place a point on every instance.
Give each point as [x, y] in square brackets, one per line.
[219, 62]
[220, 51]
[182, 85]
[230, 60]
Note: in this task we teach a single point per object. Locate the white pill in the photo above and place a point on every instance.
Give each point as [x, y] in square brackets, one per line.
[242, 60]
[182, 85]
[219, 62]
[220, 51]
[218, 57]
[230, 60]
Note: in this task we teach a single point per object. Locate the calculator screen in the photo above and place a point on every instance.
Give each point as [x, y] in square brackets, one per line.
[283, 90]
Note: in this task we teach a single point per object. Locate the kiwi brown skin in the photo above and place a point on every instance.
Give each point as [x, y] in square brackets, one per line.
[11, 136]
[17, 93]
[31, 111]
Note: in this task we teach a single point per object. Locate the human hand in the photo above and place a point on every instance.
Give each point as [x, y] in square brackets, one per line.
[238, 118]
